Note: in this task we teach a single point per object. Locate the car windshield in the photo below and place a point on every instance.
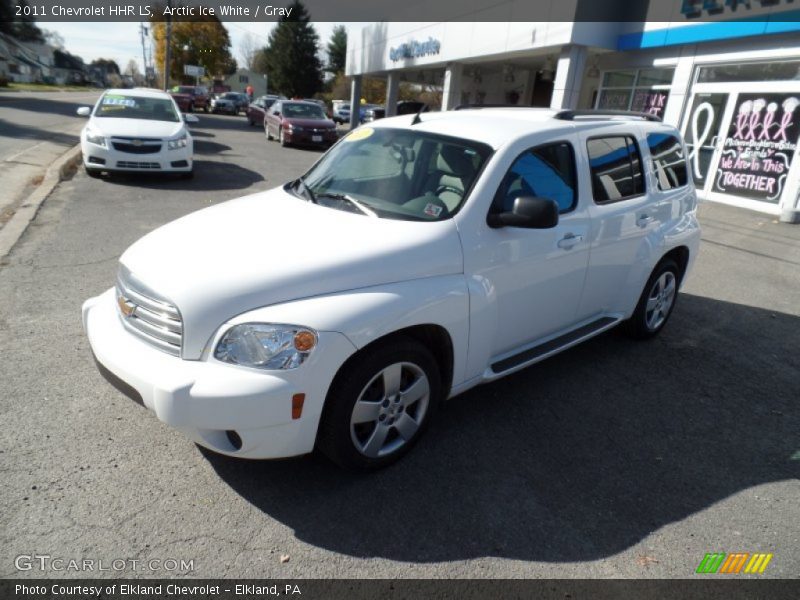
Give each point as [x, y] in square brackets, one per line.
[137, 107]
[230, 96]
[396, 174]
[182, 89]
[302, 111]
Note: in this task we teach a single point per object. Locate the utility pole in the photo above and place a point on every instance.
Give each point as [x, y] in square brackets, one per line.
[166, 54]
[143, 32]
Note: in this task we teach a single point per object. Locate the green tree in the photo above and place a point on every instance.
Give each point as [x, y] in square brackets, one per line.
[22, 28]
[337, 50]
[290, 58]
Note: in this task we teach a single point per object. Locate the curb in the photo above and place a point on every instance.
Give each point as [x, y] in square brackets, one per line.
[56, 172]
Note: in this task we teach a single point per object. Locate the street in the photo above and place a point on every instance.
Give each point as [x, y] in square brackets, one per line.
[613, 459]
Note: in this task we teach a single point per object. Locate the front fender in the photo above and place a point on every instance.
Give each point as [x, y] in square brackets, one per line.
[367, 314]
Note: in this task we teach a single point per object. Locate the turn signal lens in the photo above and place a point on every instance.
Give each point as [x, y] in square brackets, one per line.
[297, 405]
[304, 340]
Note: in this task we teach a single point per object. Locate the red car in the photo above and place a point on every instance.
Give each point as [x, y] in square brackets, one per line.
[258, 109]
[298, 122]
[190, 97]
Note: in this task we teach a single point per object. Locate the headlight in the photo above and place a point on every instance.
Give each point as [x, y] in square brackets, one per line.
[291, 127]
[177, 143]
[266, 346]
[95, 138]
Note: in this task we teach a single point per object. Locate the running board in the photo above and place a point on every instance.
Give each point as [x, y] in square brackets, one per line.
[550, 347]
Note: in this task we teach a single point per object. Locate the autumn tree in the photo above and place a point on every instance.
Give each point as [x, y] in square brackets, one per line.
[205, 43]
[290, 58]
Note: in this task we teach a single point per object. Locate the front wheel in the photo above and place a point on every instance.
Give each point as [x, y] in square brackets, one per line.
[380, 405]
[656, 302]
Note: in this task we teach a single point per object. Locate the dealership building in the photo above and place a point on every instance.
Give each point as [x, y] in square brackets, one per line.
[732, 85]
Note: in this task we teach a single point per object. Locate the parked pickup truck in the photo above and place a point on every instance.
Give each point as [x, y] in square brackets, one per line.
[418, 258]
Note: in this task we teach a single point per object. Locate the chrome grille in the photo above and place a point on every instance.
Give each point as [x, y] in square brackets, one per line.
[134, 149]
[148, 316]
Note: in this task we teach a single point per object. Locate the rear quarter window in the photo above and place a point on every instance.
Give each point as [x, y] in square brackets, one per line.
[669, 162]
[616, 168]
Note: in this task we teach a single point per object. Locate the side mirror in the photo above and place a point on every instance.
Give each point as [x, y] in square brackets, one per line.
[530, 212]
[189, 118]
[84, 111]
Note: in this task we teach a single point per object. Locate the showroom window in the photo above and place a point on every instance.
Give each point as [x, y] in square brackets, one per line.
[640, 90]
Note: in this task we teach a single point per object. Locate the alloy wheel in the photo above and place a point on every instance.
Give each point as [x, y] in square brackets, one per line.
[390, 409]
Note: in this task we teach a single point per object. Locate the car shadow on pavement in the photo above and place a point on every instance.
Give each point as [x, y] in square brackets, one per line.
[208, 176]
[576, 458]
[51, 105]
[206, 147]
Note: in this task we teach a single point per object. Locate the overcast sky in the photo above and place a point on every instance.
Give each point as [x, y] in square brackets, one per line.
[121, 41]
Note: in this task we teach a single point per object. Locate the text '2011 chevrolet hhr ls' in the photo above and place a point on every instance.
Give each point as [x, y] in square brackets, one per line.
[417, 258]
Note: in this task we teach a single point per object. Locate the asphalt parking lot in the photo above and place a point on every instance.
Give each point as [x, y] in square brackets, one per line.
[614, 459]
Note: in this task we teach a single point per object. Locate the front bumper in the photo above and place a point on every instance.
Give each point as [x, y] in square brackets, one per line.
[206, 399]
[110, 159]
[310, 138]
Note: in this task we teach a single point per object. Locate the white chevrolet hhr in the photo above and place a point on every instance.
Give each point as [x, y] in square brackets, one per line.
[419, 257]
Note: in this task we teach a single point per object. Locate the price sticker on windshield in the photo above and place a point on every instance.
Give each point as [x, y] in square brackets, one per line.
[119, 101]
[360, 134]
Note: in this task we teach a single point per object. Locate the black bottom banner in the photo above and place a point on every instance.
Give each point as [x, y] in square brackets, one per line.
[400, 589]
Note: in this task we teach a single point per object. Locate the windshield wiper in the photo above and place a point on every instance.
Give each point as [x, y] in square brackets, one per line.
[300, 185]
[357, 203]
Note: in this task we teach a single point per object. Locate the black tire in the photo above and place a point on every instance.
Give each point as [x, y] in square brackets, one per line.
[205, 108]
[361, 376]
[642, 325]
[92, 172]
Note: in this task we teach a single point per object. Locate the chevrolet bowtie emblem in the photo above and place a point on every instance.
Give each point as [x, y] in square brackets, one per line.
[137, 142]
[126, 307]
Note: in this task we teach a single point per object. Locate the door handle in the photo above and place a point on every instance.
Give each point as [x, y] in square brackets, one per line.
[644, 220]
[569, 240]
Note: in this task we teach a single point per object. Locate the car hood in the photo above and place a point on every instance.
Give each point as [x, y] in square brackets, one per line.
[138, 128]
[318, 123]
[273, 247]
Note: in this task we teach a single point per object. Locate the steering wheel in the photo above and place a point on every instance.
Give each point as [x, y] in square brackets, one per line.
[449, 188]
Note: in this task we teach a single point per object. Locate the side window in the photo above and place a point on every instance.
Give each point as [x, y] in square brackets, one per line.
[669, 163]
[546, 171]
[616, 168]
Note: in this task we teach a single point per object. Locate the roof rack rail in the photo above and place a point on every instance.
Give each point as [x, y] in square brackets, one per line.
[466, 106]
[571, 115]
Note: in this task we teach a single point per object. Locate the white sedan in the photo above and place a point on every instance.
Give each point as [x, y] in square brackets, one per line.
[136, 130]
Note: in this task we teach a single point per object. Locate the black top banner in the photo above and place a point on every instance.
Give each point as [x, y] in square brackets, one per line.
[674, 11]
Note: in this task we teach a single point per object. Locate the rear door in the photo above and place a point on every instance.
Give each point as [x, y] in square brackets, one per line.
[622, 214]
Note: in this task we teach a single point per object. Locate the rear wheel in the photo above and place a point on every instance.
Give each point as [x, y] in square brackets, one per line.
[380, 405]
[656, 302]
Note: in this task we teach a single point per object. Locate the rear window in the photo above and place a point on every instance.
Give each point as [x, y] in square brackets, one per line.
[669, 162]
[616, 168]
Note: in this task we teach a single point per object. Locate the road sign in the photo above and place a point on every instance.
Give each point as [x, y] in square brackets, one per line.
[193, 71]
